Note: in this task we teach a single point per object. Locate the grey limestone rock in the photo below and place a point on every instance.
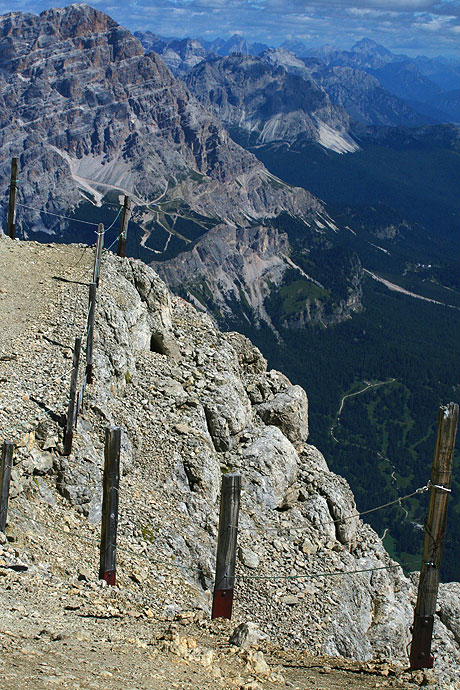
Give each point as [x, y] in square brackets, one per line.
[449, 607]
[273, 464]
[247, 635]
[249, 557]
[342, 507]
[40, 462]
[288, 410]
[313, 459]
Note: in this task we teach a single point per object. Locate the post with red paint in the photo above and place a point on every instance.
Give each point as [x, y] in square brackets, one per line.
[226, 546]
[108, 552]
[435, 529]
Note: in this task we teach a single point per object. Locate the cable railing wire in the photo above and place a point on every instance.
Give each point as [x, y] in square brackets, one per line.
[58, 215]
[123, 550]
[336, 521]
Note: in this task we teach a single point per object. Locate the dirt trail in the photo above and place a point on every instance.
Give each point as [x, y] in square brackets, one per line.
[80, 636]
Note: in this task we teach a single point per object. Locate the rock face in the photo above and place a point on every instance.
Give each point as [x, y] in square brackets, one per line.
[260, 275]
[180, 55]
[183, 55]
[269, 103]
[204, 405]
[87, 112]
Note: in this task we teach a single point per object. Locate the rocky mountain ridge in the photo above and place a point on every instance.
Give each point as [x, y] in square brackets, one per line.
[359, 93]
[269, 103]
[373, 84]
[192, 403]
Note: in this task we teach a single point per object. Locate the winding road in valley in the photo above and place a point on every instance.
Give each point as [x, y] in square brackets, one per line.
[351, 395]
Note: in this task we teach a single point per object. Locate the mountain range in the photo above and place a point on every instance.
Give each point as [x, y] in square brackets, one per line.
[424, 84]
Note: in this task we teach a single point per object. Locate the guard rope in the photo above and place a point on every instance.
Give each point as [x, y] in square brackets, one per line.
[58, 215]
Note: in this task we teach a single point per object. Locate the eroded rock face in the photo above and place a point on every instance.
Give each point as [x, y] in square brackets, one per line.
[267, 102]
[449, 608]
[226, 412]
[288, 410]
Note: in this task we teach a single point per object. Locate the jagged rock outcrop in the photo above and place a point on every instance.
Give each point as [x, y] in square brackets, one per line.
[187, 416]
[180, 55]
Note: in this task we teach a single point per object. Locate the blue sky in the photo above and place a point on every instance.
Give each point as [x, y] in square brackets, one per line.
[409, 26]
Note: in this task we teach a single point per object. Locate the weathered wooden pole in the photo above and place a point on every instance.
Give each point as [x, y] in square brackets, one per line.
[226, 546]
[11, 227]
[121, 249]
[5, 476]
[90, 334]
[108, 553]
[97, 258]
[435, 528]
[68, 432]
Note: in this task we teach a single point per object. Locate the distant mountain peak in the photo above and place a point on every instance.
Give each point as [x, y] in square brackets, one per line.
[367, 46]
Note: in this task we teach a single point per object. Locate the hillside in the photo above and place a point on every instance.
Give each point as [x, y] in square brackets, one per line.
[192, 403]
[94, 118]
[269, 103]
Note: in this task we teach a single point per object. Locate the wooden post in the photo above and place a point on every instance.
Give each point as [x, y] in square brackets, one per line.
[68, 432]
[121, 249]
[97, 259]
[11, 227]
[435, 527]
[226, 546]
[5, 476]
[108, 553]
[90, 335]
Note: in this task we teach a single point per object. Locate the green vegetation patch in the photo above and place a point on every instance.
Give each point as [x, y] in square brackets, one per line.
[295, 295]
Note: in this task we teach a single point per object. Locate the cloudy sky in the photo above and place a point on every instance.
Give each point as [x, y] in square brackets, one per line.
[410, 26]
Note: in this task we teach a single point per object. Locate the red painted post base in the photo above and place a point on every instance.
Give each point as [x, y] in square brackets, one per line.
[420, 653]
[222, 603]
[109, 576]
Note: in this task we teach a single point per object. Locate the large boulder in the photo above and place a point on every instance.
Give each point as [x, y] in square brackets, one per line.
[288, 410]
